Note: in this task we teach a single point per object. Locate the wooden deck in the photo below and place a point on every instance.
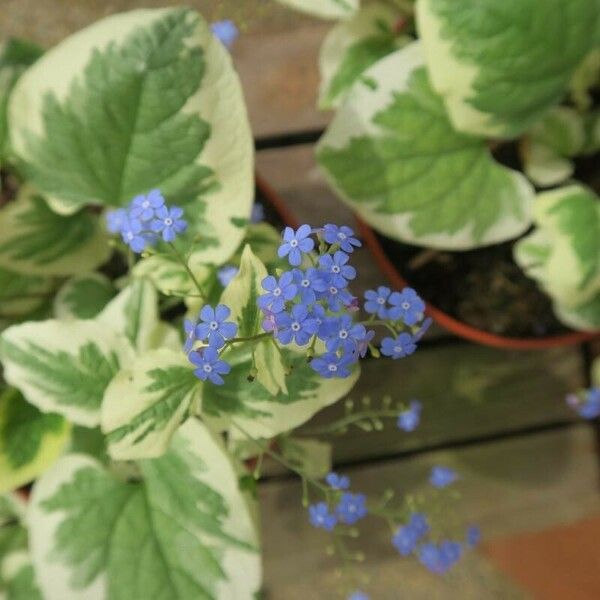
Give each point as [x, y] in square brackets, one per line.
[498, 417]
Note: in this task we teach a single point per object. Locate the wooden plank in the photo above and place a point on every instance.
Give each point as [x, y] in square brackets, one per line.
[524, 484]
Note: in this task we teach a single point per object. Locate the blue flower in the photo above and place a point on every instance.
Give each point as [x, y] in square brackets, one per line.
[408, 420]
[589, 407]
[115, 219]
[214, 326]
[320, 516]
[376, 302]
[358, 596]
[226, 274]
[189, 328]
[331, 365]
[278, 292]
[209, 366]
[450, 553]
[132, 233]
[363, 345]
[334, 296]
[344, 236]
[298, 326]
[305, 282]
[429, 556]
[351, 508]
[325, 324]
[225, 31]
[405, 540]
[336, 268]
[168, 222]
[441, 477]
[422, 329]
[144, 207]
[337, 482]
[418, 523]
[407, 306]
[473, 536]
[258, 213]
[400, 347]
[344, 334]
[296, 243]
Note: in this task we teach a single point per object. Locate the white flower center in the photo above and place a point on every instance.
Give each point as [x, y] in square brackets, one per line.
[296, 326]
[294, 243]
[168, 221]
[129, 235]
[214, 325]
[343, 334]
[277, 292]
[398, 349]
[333, 290]
[341, 236]
[380, 300]
[207, 368]
[405, 305]
[145, 204]
[305, 283]
[335, 269]
[332, 368]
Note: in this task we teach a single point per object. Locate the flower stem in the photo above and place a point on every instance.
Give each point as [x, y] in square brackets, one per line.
[348, 420]
[185, 265]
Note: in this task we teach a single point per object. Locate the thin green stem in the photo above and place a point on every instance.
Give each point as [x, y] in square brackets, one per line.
[386, 324]
[185, 265]
[251, 338]
[348, 420]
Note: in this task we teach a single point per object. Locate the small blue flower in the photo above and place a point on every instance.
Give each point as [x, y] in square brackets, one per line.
[376, 301]
[336, 268]
[296, 243]
[337, 482]
[189, 328]
[297, 326]
[331, 365]
[429, 556]
[226, 274]
[258, 213]
[335, 297]
[168, 222]
[422, 329]
[418, 523]
[405, 540]
[115, 219]
[144, 207]
[277, 292]
[351, 508]
[407, 306]
[325, 324]
[305, 282]
[214, 326]
[363, 345]
[320, 516]
[450, 553]
[409, 419]
[209, 366]
[132, 233]
[358, 596]
[589, 407]
[345, 335]
[225, 31]
[344, 236]
[473, 536]
[400, 347]
[441, 477]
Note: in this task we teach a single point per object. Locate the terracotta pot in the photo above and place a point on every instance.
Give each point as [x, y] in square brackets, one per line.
[458, 327]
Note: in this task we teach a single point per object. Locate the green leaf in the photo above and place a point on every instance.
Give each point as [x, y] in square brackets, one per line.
[21, 294]
[550, 144]
[585, 316]
[37, 241]
[263, 414]
[324, 9]
[83, 297]
[264, 241]
[563, 253]
[183, 531]
[64, 367]
[392, 154]
[352, 46]
[500, 66]
[15, 56]
[313, 457]
[91, 103]
[19, 578]
[30, 441]
[160, 386]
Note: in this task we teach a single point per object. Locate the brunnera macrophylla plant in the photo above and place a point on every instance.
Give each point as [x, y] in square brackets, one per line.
[155, 333]
[425, 91]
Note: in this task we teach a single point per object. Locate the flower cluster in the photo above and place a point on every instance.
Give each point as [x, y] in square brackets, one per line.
[146, 220]
[311, 302]
[587, 405]
[345, 507]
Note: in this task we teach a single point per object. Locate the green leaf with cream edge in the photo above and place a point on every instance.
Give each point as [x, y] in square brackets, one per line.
[146, 403]
[92, 103]
[30, 441]
[37, 241]
[64, 367]
[392, 154]
[21, 294]
[501, 65]
[83, 297]
[563, 253]
[324, 9]
[352, 46]
[184, 531]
